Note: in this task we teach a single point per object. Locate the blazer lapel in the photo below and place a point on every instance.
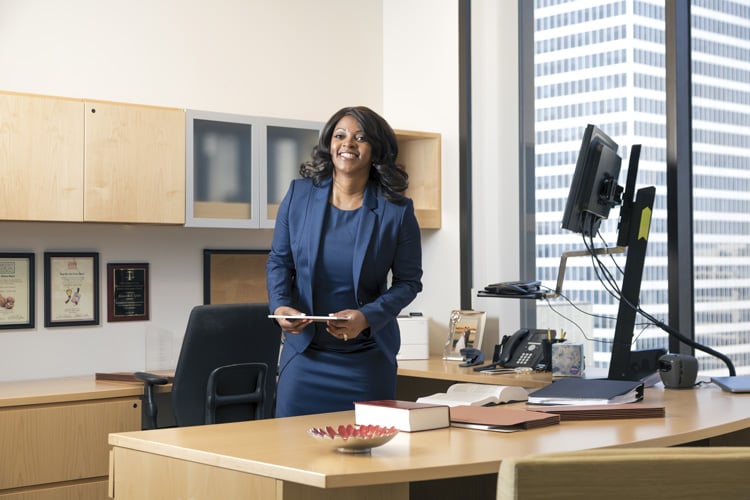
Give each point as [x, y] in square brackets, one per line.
[314, 232]
[370, 212]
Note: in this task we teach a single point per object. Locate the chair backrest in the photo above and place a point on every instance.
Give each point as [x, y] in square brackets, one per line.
[219, 335]
[619, 474]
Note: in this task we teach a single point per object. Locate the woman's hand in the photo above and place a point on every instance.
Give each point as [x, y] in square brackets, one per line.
[350, 328]
[291, 326]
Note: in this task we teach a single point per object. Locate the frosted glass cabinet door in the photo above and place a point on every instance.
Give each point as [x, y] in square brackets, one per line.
[287, 144]
[222, 179]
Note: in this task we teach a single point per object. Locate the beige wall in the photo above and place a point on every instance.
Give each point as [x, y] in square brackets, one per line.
[281, 58]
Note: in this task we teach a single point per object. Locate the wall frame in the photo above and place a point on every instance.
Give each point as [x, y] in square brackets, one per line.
[465, 331]
[71, 288]
[234, 276]
[127, 292]
[17, 290]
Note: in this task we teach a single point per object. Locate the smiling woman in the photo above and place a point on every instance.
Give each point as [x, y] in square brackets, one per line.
[340, 232]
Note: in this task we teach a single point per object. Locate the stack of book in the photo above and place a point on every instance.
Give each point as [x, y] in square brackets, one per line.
[572, 391]
[499, 419]
[600, 412]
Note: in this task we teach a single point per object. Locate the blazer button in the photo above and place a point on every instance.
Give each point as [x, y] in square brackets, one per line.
[361, 302]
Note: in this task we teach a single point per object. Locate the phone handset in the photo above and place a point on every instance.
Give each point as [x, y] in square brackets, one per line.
[510, 345]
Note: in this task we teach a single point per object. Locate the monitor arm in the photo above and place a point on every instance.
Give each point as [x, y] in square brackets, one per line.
[578, 253]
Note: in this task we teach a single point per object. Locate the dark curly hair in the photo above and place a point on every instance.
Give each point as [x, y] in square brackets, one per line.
[390, 176]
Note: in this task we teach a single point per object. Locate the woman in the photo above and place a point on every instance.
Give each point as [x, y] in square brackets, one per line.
[340, 231]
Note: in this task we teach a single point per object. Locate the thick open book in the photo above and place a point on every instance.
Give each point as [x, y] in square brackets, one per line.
[476, 395]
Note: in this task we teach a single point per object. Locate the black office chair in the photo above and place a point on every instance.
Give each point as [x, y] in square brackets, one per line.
[226, 371]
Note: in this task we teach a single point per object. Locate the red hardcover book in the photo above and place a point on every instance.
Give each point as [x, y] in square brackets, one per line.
[404, 415]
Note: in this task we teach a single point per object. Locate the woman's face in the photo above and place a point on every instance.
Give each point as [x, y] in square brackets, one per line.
[351, 153]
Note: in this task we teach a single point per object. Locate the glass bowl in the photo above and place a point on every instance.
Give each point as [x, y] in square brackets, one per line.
[353, 438]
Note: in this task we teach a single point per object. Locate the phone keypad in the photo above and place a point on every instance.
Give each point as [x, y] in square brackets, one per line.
[524, 358]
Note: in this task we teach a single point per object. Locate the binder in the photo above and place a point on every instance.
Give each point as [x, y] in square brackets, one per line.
[571, 391]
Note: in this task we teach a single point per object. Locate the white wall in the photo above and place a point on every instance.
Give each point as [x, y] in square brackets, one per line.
[495, 151]
[285, 58]
[420, 39]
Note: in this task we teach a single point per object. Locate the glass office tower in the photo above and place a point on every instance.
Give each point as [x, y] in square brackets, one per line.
[602, 62]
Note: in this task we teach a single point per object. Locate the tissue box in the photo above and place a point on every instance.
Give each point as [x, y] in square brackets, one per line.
[415, 342]
[567, 360]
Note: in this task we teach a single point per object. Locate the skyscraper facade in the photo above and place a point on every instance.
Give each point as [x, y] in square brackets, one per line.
[603, 62]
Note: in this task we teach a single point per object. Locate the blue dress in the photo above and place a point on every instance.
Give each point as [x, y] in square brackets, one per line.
[332, 373]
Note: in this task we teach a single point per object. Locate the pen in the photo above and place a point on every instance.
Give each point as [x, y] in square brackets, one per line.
[549, 334]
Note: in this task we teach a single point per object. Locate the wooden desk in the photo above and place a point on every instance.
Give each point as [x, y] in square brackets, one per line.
[275, 459]
[53, 436]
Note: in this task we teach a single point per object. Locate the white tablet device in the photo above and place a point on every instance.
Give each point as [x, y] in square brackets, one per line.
[294, 317]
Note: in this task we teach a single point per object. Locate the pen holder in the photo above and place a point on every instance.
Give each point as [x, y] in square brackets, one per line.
[567, 360]
[547, 352]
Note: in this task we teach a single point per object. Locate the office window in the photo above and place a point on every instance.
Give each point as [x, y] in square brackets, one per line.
[604, 64]
[609, 71]
[720, 52]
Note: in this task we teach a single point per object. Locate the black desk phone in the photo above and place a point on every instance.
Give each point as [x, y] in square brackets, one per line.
[523, 348]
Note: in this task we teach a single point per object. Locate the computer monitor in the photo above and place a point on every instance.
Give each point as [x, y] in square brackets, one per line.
[594, 189]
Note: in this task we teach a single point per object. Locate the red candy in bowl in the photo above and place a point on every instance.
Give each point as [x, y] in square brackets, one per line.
[353, 438]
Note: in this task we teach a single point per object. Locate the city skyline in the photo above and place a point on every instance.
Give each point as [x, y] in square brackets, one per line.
[603, 63]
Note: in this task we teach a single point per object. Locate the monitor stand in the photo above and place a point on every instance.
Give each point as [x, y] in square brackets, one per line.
[626, 364]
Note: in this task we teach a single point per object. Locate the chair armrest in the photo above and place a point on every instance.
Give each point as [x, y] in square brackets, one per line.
[151, 378]
[149, 381]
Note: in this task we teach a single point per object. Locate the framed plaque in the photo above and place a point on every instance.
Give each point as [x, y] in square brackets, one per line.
[234, 276]
[16, 290]
[71, 288]
[127, 292]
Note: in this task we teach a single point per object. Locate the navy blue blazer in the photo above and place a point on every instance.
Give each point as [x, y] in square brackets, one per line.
[388, 241]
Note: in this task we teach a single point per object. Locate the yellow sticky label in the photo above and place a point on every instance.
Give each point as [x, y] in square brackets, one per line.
[645, 224]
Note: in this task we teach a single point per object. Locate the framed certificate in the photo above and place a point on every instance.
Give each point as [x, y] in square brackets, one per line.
[16, 290]
[127, 292]
[234, 276]
[71, 288]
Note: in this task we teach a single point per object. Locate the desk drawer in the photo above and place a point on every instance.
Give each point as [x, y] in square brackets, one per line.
[51, 443]
[95, 490]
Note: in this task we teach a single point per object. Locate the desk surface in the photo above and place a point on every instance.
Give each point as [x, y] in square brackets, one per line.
[436, 368]
[280, 448]
[61, 390]
[66, 389]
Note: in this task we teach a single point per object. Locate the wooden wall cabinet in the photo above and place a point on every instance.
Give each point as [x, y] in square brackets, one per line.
[239, 167]
[73, 160]
[78, 160]
[420, 153]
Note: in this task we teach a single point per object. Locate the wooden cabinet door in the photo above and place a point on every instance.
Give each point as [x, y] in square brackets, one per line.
[134, 164]
[41, 158]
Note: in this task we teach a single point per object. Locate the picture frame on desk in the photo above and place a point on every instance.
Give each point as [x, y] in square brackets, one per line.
[234, 276]
[71, 288]
[127, 292]
[17, 290]
[465, 331]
